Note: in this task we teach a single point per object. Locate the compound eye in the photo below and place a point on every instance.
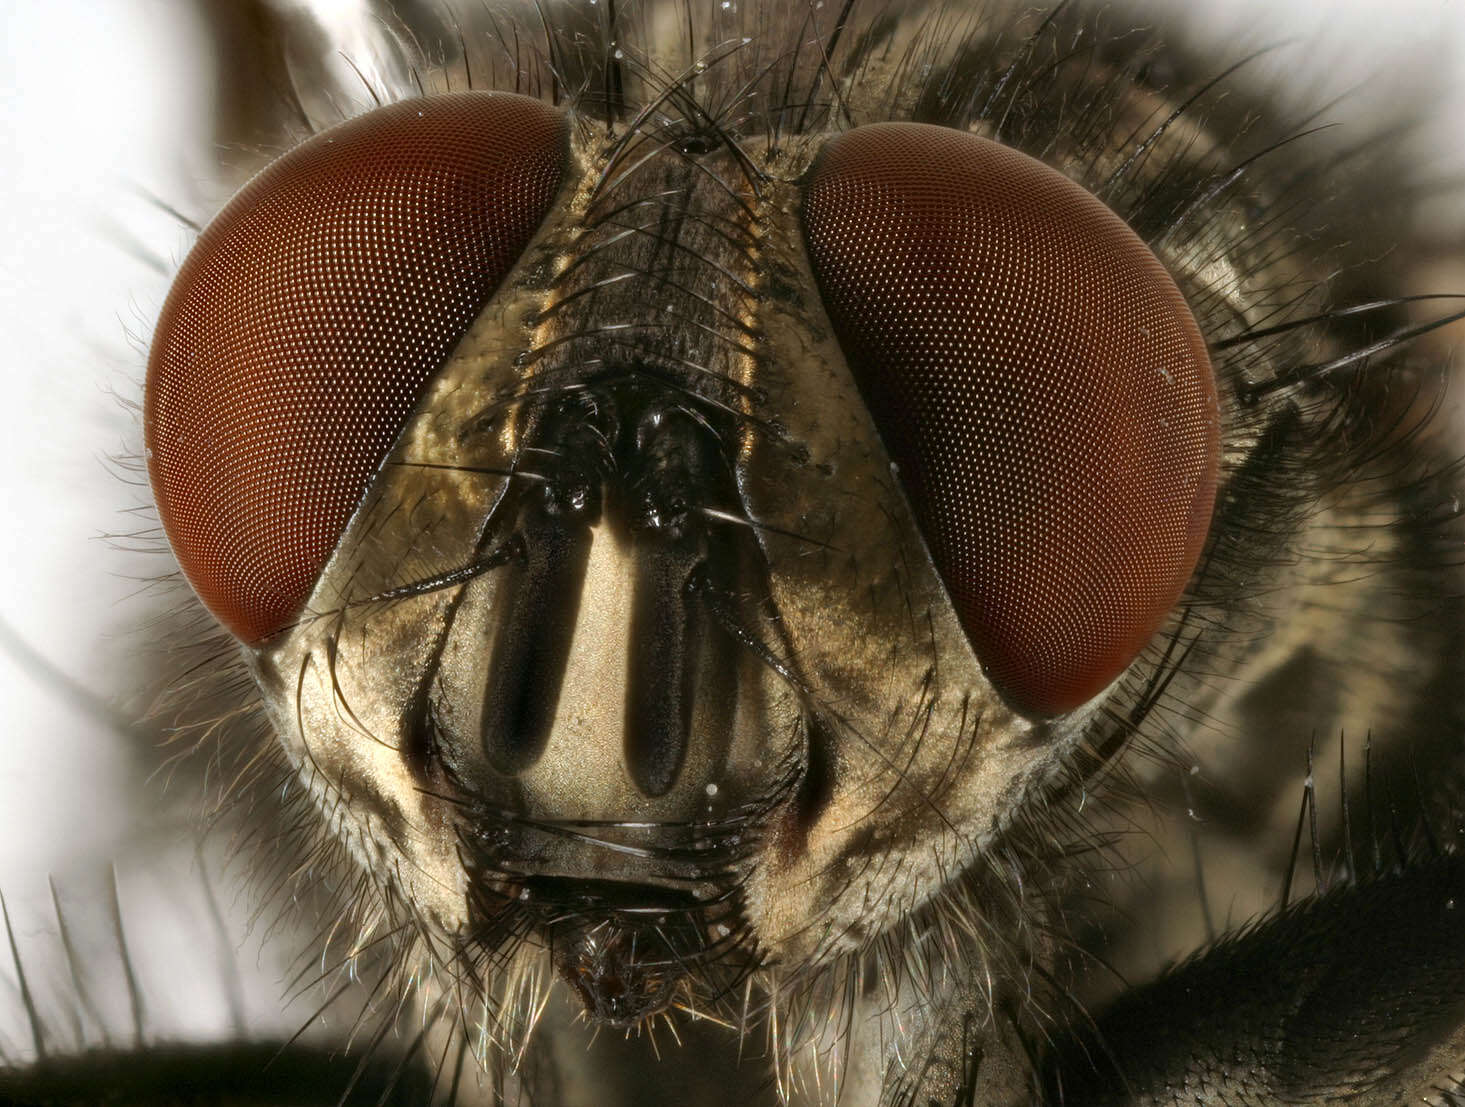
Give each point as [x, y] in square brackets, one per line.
[1041, 386]
[306, 319]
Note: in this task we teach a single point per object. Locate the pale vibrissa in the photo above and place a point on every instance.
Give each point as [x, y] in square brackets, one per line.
[756, 554]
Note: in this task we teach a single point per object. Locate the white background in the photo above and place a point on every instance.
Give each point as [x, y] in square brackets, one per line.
[101, 100]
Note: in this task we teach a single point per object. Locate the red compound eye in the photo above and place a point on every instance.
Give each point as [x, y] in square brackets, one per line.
[1040, 383]
[306, 320]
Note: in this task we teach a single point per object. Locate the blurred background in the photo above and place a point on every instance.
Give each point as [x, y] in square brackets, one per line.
[114, 139]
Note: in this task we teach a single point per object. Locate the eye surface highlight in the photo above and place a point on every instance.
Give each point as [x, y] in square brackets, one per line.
[308, 316]
[1041, 386]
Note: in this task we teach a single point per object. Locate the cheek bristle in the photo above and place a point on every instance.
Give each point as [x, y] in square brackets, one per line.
[1041, 386]
[306, 320]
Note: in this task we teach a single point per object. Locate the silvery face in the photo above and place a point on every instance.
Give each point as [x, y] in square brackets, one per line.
[469, 716]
